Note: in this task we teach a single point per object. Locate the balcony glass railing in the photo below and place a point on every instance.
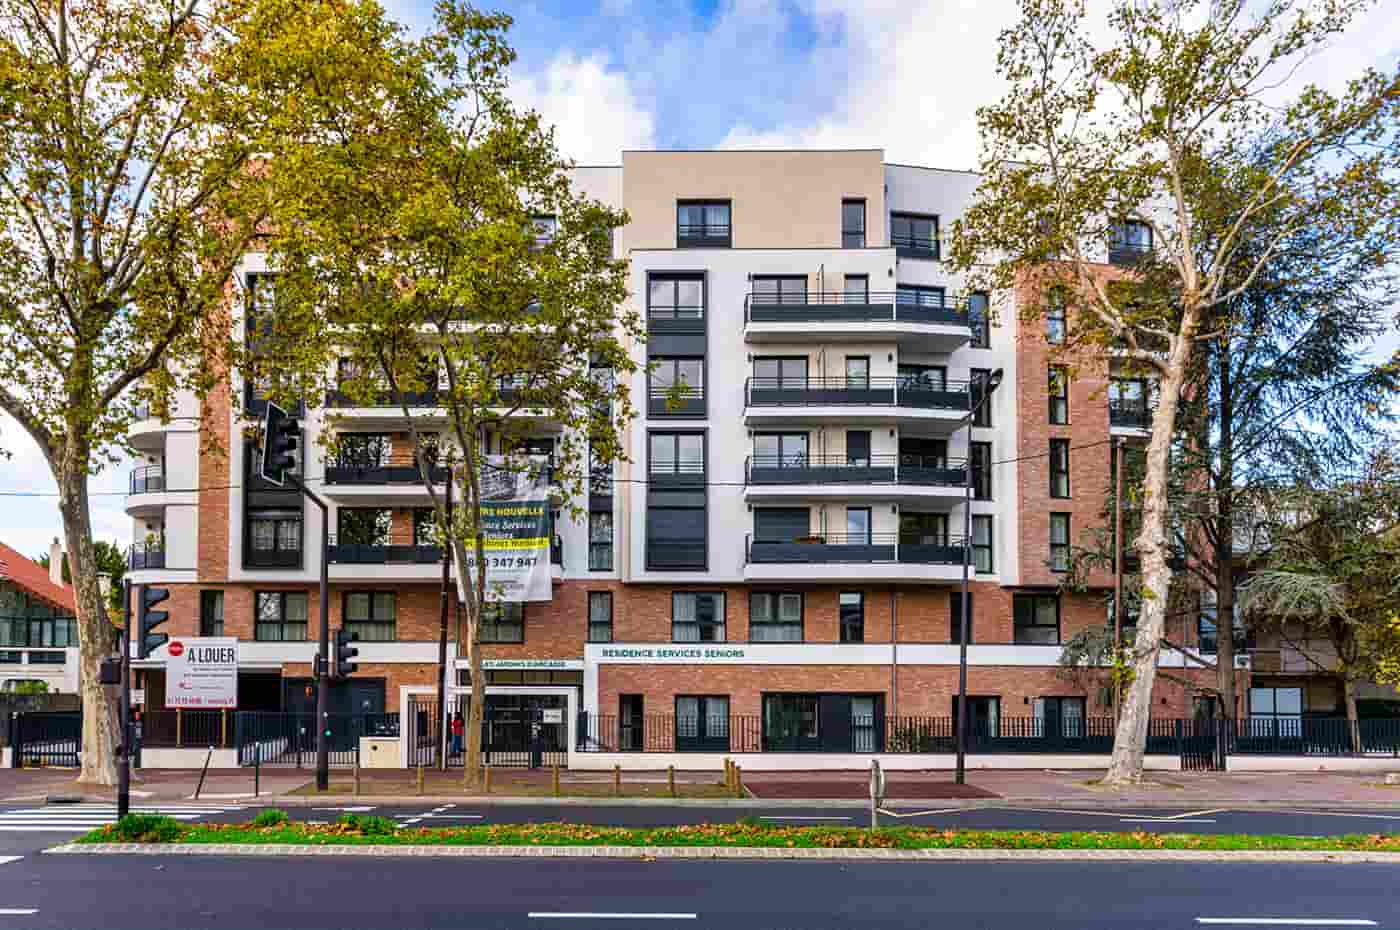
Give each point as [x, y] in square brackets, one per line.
[349, 473]
[857, 306]
[340, 398]
[828, 548]
[869, 392]
[1127, 254]
[145, 555]
[1129, 413]
[147, 479]
[382, 553]
[918, 470]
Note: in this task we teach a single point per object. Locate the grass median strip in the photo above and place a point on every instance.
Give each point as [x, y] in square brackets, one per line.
[272, 828]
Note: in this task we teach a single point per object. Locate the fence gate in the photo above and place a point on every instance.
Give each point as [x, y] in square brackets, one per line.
[45, 739]
[518, 731]
[1203, 744]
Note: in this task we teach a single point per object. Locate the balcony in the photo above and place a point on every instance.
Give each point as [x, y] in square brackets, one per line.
[916, 322]
[681, 402]
[1129, 414]
[850, 400]
[147, 479]
[339, 398]
[842, 557]
[1127, 254]
[888, 477]
[343, 553]
[393, 482]
[142, 556]
[271, 558]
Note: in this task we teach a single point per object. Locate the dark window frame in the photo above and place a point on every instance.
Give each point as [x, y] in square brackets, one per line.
[980, 320]
[500, 624]
[851, 628]
[1057, 390]
[702, 738]
[1059, 551]
[706, 239]
[596, 546]
[977, 384]
[910, 245]
[981, 470]
[789, 289]
[1059, 469]
[776, 622]
[1056, 319]
[955, 617]
[700, 625]
[676, 309]
[782, 379]
[283, 597]
[983, 519]
[599, 631]
[852, 238]
[692, 394]
[1035, 602]
[210, 625]
[368, 628]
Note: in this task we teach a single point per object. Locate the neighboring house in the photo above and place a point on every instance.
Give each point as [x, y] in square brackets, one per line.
[785, 542]
[38, 623]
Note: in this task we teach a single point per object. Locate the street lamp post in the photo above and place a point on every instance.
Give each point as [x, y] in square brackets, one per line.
[964, 620]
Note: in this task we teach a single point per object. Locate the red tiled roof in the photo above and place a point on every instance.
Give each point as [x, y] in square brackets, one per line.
[34, 578]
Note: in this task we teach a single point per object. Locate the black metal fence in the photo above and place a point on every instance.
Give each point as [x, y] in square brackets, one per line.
[1316, 736]
[45, 739]
[514, 734]
[289, 740]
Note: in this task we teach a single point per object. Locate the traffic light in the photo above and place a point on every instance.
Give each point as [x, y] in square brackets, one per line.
[147, 619]
[280, 438]
[343, 666]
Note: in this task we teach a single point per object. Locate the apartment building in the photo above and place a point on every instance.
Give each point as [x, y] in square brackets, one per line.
[785, 542]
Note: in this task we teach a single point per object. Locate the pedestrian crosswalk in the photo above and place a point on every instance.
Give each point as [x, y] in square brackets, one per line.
[77, 818]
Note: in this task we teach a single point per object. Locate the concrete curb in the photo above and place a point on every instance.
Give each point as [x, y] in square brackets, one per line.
[737, 852]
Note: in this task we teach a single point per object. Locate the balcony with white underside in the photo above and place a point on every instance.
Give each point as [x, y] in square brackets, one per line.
[936, 408]
[898, 479]
[933, 324]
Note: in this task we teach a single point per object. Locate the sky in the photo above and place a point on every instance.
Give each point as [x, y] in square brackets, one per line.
[902, 75]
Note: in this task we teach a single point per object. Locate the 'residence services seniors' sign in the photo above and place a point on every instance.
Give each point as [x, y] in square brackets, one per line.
[202, 673]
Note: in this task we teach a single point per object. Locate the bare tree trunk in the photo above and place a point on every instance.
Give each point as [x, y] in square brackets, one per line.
[1225, 544]
[99, 739]
[1353, 725]
[1130, 738]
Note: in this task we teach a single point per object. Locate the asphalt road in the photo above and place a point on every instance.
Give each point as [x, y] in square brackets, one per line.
[348, 894]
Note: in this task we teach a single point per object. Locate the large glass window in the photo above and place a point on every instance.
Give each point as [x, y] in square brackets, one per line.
[372, 614]
[677, 386]
[702, 722]
[780, 450]
[919, 295]
[856, 289]
[1129, 241]
[1059, 542]
[982, 542]
[1059, 395]
[785, 372]
[702, 223]
[981, 402]
[1055, 316]
[697, 617]
[362, 450]
[600, 616]
[955, 617]
[853, 224]
[1276, 703]
[600, 540]
[425, 527]
[502, 622]
[780, 524]
[211, 613]
[676, 297]
[274, 537]
[1067, 711]
[775, 617]
[281, 616]
[852, 616]
[780, 289]
[543, 229]
[677, 454]
[979, 317]
[1059, 468]
[914, 234]
[1036, 618]
[362, 526]
[858, 526]
[982, 471]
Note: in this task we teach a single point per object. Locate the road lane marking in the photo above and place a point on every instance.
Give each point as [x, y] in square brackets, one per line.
[6, 860]
[804, 818]
[1217, 810]
[604, 915]
[1160, 820]
[19, 911]
[1289, 921]
[348, 810]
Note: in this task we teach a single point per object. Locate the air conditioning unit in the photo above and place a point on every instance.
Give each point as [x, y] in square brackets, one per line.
[1242, 661]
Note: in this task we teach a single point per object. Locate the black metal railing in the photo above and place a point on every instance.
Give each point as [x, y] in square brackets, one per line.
[871, 392]
[680, 401]
[926, 471]
[861, 306]
[690, 235]
[340, 398]
[1127, 254]
[271, 558]
[354, 553]
[1132, 413]
[381, 474]
[145, 555]
[832, 548]
[147, 479]
[1316, 736]
[915, 246]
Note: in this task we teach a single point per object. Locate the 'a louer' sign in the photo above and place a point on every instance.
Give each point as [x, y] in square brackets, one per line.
[202, 673]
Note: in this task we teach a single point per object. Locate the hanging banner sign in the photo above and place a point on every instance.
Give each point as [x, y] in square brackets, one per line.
[202, 673]
[517, 527]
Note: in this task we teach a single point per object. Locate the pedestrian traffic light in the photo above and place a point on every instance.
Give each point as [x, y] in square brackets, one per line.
[280, 438]
[343, 665]
[148, 620]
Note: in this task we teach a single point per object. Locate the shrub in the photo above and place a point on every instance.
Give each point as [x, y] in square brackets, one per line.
[145, 828]
[272, 817]
[367, 826]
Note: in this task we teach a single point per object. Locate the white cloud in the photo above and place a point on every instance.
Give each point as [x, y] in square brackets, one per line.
[594, 110]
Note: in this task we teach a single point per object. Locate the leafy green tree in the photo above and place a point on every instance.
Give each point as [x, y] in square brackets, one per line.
[413, 263]
[1144, 129]
[111, 561]
[130, 128]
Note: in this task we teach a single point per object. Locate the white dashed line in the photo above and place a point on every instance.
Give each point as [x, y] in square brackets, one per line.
[601, 915]
[1288, 921]
[6, 860]
[19, 911]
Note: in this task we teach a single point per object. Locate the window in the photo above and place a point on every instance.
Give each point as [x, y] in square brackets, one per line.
[981, 471]
[702, 223]
[1207, 625]
[858, 526]
[676, 539]
[775, 617]
[780, 524]
[47, 658]
[702, 722]
[678, 454]
[543, 230]
[1059, 716]
[955, 617]
[1128, 242]
[371, 614]
[922, 528]
[853, 224]
[923, 377]
[1277, 704]
[983, 717]
[981, 402]
[1132, 609]
[362, 526]
[858, 447]
[1059, 468]
[780, 450]
[281, 616]
[1127, 403]
[697, 617]
[675, 297]
[425, 527]
[918, 295]
[852, 617]
[211, 613]
[784, 289]
[1059, 395]
[1036, 618]
[11, 657]
[914, 235]
[857, 289]
[982, 542]
[979, 317]
[362, 450]
[677, 386]
[775, 372]
[600, 540]
[274, 538]
[502, 622]
[1055, 316]
[1059, 542]
[858, 371]
[600, 619]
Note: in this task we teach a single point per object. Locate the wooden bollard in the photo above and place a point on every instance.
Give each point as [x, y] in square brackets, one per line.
[617, 781]
[556, 781]
[738, 782]
[671, 780]
[357, 780]
[420, 779]
[486, 779]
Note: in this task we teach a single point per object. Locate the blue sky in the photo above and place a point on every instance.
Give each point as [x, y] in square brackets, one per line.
[902, 75]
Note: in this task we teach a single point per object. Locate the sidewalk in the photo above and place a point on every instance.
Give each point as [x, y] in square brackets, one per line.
[1026, 788]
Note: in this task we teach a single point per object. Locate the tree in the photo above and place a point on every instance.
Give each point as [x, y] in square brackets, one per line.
[1144, 130]
[130, 128]
[1334, 567]
[414, 264]
[111, 561]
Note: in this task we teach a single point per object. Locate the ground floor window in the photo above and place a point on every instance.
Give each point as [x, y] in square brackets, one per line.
[823, 722]
[983, 717]
[1059, 717]
[702, 723]
[1276, 703]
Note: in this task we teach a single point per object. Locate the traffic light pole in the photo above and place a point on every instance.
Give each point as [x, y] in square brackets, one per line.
[323, 674]
[124, 706]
